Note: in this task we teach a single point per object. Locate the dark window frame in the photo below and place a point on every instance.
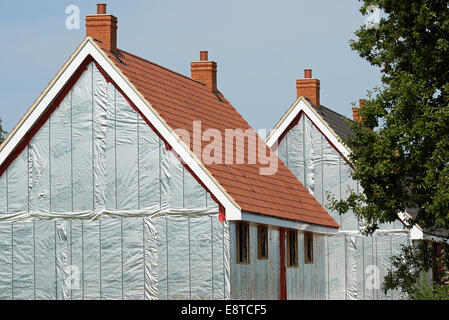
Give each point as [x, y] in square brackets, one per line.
[262, 248]
[308, 247]
[242, 227]
[292, 247]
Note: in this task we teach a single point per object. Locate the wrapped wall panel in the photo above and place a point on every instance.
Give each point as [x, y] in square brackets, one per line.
[336, 268]
[133, 259]
[127, 156]
[111, 259]
[82, 142]
[149, 168]
[61, 156]
[179, 272]
[295, 150]
[6, 261]
[17, 176]
[23, 284]
[39, 171]
[111, 149]
[48, 277]
[352, 266]
[348, 221]
[91, 281]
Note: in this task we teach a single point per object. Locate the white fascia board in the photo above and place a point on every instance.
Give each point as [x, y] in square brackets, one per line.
[88, 47]
[285, 223]
[435, 238]
[376, 233]
[417, 233]
[302, 106]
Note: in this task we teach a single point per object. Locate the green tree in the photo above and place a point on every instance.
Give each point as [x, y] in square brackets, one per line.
[400, 150]
[408, 272]
[2, 132]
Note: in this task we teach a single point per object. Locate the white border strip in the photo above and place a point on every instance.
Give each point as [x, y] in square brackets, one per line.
[289, 224]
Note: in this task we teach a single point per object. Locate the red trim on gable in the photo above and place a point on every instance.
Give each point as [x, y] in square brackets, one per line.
[292, 124]
[103, 73]
[403, 223]
[108, 79]
[221, 213]
[61, 96]
[221, 208]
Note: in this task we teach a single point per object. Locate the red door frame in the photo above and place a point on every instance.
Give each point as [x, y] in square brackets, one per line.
[283, 287]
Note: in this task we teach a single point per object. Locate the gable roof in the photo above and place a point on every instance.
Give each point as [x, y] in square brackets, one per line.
[330, 123]
[172, 101]
[41, 109]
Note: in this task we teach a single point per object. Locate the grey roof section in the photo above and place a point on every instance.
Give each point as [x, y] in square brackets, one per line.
[443, 233]
[335, 120]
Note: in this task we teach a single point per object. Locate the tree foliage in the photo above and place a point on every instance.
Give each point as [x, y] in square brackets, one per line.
[2, 132]
[400, 149]
[408, 270]
[426, 291]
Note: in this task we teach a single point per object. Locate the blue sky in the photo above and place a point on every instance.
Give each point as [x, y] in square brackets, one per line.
[261, 48]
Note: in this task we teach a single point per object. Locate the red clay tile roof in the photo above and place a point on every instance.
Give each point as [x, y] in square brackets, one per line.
[180, 101]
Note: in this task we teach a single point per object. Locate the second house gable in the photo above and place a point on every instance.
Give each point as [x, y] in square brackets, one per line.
[321, 167]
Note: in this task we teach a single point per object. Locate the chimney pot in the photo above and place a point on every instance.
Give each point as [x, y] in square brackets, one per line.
[307, 73]
[309, 88]
[103, 28]
[204, 56]
[101, 8]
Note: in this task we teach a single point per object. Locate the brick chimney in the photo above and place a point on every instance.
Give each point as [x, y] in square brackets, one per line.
[355, 111]
[103, 28]
[205, 71]
[309, 88]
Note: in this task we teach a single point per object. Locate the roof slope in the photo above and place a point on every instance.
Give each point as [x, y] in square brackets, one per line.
[180, 101]
[335, 120]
